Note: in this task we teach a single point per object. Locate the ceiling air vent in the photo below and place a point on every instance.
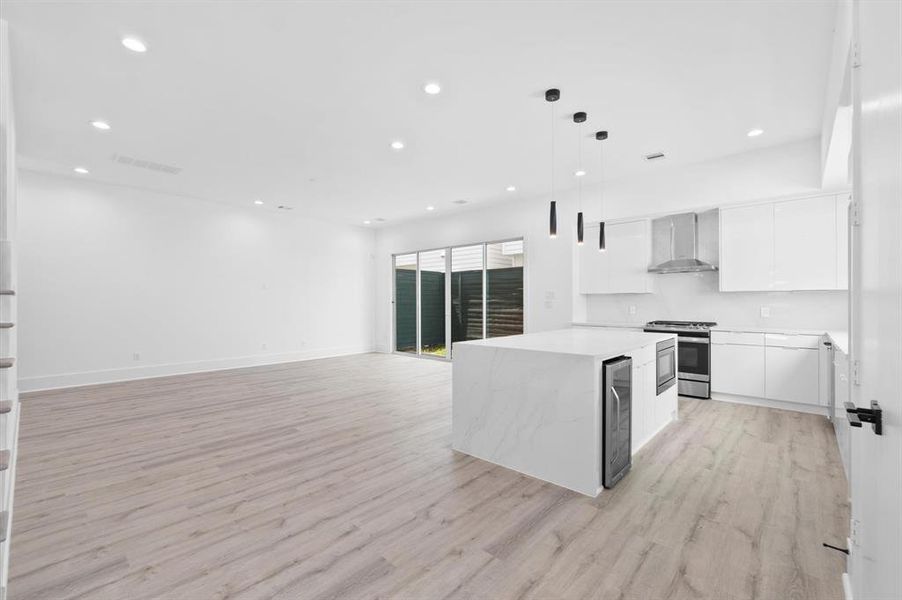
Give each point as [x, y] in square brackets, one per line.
[283, 207]
[459, 201]
[145, 164]
[655, 156]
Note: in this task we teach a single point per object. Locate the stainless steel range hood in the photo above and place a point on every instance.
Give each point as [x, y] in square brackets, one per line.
[675, 243]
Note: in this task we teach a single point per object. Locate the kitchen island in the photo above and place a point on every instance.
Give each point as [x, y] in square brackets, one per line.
[533, 402]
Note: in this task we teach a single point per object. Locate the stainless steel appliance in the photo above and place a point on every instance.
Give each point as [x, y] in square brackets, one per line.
[666, 365]
[616, 419]
[685, 243]
[693, 354]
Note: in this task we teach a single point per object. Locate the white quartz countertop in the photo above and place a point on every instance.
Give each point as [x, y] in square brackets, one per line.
[596, 343]
[840, 338]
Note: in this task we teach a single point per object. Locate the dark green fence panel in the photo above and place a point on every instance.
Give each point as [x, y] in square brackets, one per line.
[405, 310]
[432, 310]
[504, 301]
[466, 305]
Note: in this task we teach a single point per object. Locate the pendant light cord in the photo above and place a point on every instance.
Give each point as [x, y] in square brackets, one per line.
[552, 151]
[579, 160]
[601, 184]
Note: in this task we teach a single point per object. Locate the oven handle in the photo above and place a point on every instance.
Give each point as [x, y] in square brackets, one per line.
[694, 339]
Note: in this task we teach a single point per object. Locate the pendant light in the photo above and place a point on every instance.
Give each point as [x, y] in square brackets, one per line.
[552, 96]
[601, 136]
[579, 118]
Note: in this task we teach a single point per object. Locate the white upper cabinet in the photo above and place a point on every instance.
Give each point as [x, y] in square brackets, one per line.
[746, 248]
[786, 245]
[805, 244]
[623, 267]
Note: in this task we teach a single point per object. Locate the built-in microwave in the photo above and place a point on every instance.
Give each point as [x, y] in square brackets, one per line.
[667, 364]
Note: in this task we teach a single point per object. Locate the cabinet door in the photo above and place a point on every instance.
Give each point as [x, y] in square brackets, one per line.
[623, 267]
[658, 412]
[738, 369]
[792, 374]
[637, 429]
[593, 266]
[627, 249]
[842, 241]
[805, 244]
[746, 248]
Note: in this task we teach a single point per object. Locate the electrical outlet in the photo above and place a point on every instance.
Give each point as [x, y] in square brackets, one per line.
[632, 309]
[136, 356]
[263, 346]
[765, 311]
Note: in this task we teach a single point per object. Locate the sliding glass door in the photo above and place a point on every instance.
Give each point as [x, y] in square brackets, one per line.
[456, 294]
[432, 303]
[406, 303]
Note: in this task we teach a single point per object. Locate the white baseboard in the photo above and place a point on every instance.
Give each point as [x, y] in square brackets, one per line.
[847, 587]
[805, 408]
[67, 380]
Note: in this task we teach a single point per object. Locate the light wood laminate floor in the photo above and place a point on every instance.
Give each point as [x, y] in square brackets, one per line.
[335, 479]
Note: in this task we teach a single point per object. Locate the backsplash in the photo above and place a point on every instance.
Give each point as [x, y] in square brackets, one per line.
[695, 297]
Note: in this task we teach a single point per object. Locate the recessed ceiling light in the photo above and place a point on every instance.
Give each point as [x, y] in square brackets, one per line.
[258, 202]
[397, 144]
[102, 125]
[430, 208]
[511, 188]
[367, 222]
[134, 44]
[432, 88]
[579, 173]
[81, 170]
[755, 132]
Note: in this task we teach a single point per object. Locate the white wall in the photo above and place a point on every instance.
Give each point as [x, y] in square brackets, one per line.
[108, 271]
[551, 300]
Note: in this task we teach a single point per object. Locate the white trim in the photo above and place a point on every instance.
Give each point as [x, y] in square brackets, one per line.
[815, 409]
[847, 587]
[66, 380]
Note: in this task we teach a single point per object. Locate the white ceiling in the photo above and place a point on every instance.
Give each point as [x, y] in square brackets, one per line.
[297, 103]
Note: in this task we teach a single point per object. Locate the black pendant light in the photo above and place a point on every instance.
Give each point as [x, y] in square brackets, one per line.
[601, 136]
[579, 118]
[552, 96]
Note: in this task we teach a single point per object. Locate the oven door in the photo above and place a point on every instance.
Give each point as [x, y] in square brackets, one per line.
[666, 365]
[694, 358]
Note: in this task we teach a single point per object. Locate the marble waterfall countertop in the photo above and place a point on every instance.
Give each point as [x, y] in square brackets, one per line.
[580, 341]
[533, 402]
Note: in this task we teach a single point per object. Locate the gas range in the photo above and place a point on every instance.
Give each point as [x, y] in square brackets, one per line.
[680, 326]
[693, 354]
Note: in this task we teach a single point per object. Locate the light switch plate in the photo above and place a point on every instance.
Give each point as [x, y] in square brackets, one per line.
[632, 309]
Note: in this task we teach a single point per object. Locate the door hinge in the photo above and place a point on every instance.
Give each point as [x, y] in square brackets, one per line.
[855, 368]
[856, 55]
[855, 209]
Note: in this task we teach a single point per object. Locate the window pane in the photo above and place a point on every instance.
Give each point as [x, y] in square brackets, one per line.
[466, 293]
[406, 303]
[432, 302]
[504, 288]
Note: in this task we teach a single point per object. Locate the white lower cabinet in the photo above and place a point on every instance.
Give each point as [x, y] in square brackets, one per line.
[737, 369]
[650, 410]
[792, 374]
[782, 367]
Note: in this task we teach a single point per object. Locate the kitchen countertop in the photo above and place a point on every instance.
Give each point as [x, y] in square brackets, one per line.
[839, 338]
[578, 341]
